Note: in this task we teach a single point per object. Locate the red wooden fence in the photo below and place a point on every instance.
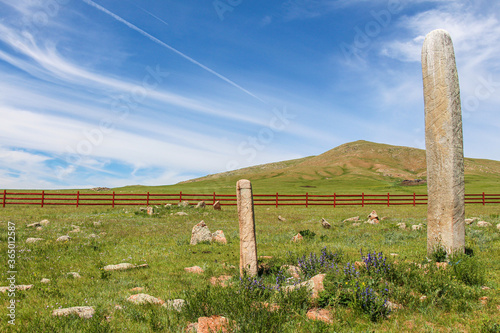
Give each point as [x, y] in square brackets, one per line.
[122, 199]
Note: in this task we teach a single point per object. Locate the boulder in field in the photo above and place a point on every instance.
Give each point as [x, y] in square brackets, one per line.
[201, 204]
[181, 214]
[175, 304]
[63, 238]
[123, 267]
[297, 238]
[85, 312]
[325, 224]
[33, 240]
[282, 219]
[219, 237]
[217, 205]
[320, 314]
[200, 233]
[483, 224]
[194, 269]
[183, 204]
[144, 299]
[416, 227]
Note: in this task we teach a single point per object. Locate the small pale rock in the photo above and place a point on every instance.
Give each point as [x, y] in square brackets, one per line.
[212, 324]
[442, 265]
[416, 227]
[325, 224]
[201, 204]
[423, 298]
[297, 238]
[394, 254]
[181, 214]
[97, 223]
[483, 224]
[359, 264]
[33, 240]
[149, 210]
[175, 304]
[315, 285]
[75, 275]
[76, 230]
[485, 288]
[469, 221]
[168, 206]
[320, 314]
[356, 224]
[282, 219]
[194, 269]
[352, 219]
[292, 270]
[33, 225]
[200, 233]
[221, 280]
[24, 287]
[44, 280]
[372, 221]
[393, 306]
[484, 300]
[63, 238]
[217, 205]
[44, 222]
[373, 216]
[183, 204]
[401, 226]
[92, 236]
[219, 237]
[4, 289]
[39, 228]
[143, 299]
[81, 311]
[118, 307]
[123, 266]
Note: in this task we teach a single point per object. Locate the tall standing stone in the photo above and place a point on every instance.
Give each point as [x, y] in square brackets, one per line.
[248, 243]
[444, 145]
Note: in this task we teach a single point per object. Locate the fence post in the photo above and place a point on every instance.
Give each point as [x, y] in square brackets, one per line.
[334, 200]
[363, 199]
[77, 198]
[147, 200]
[388, 199]
[307, 199]
[414, 199]
[113, 202]
[4, 197]
[180, 196]
[43, 197]
[213, 200]
[484, 199]
[276, 199]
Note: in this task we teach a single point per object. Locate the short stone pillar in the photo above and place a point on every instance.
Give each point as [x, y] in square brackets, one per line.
[248, 243]
[444, 145]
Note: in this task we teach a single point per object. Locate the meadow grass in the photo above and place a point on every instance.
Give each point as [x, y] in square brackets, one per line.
[162, 241]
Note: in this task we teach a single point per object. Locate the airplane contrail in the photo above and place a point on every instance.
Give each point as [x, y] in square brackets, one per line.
[156, 40]
[148, 12]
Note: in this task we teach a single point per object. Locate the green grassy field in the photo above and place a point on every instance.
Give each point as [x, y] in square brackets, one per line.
[162, 241]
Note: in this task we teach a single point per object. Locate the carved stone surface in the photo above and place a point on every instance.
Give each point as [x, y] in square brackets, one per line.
[444, 144]
[248, 243]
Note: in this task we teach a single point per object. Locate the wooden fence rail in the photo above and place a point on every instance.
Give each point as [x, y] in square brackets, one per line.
[113, 199]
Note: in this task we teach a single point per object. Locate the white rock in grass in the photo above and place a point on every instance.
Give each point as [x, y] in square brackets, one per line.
[143, 299]
[74, 274]
[483, 224]
[401, 226]
[352, 219]
[175, 304]
[282, 219]
[97, 223]
[123, 266]
[325, 224]
[63, 238]
[181, 214]
[200, 233]
[44, 280]
[81, 311]
[44, 222]
[33, 225]
[33, 240]
[416, 227]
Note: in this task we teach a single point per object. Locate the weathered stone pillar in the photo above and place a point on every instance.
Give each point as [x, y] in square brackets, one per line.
[248, 243]
[444, 145]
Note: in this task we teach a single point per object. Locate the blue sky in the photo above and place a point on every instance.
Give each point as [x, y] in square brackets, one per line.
[114, 93]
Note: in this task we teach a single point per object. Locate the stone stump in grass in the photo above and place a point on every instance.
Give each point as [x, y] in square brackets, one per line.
[444, 145]
[246, 217]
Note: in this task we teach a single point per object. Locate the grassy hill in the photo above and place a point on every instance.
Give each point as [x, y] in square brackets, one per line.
[350, 168]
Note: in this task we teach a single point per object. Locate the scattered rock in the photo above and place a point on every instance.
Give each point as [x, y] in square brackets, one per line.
[149, 210]
[201, 204]
[4, 289]
[181, 214]
[356, 224]
[97, 223]
[75, 275]
[282, 219]
[123, 266]
[292, 270]
[315, 285]
[325, 224]
[118, 307]
[92, 236]
[320, 314]
[33, 240]
[81, 311]
[183, 204]
[393, 306]
[19, 287]
[442, 265]
[44, 223]
[77, 229]
[352, 219]
[485, 288]
[221, 280]
[175, 304]
[394, 254]
[194, 269]
[297, 238]
[200, 233]
[359, 264]
[39, 228]
[401, 226]
[423, 298]
[63, 238]
[228, 266]
[209, 324]
[373, 218]
[168, 206]
[217, 206]
[416, 227]
[33, 225]
[219, 237]
[469, 221]
[143, 299]
[483, 224]
[44, 280]
[484, 300]
[271, 306]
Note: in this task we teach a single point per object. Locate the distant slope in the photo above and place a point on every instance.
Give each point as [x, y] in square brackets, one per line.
[351, 168]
